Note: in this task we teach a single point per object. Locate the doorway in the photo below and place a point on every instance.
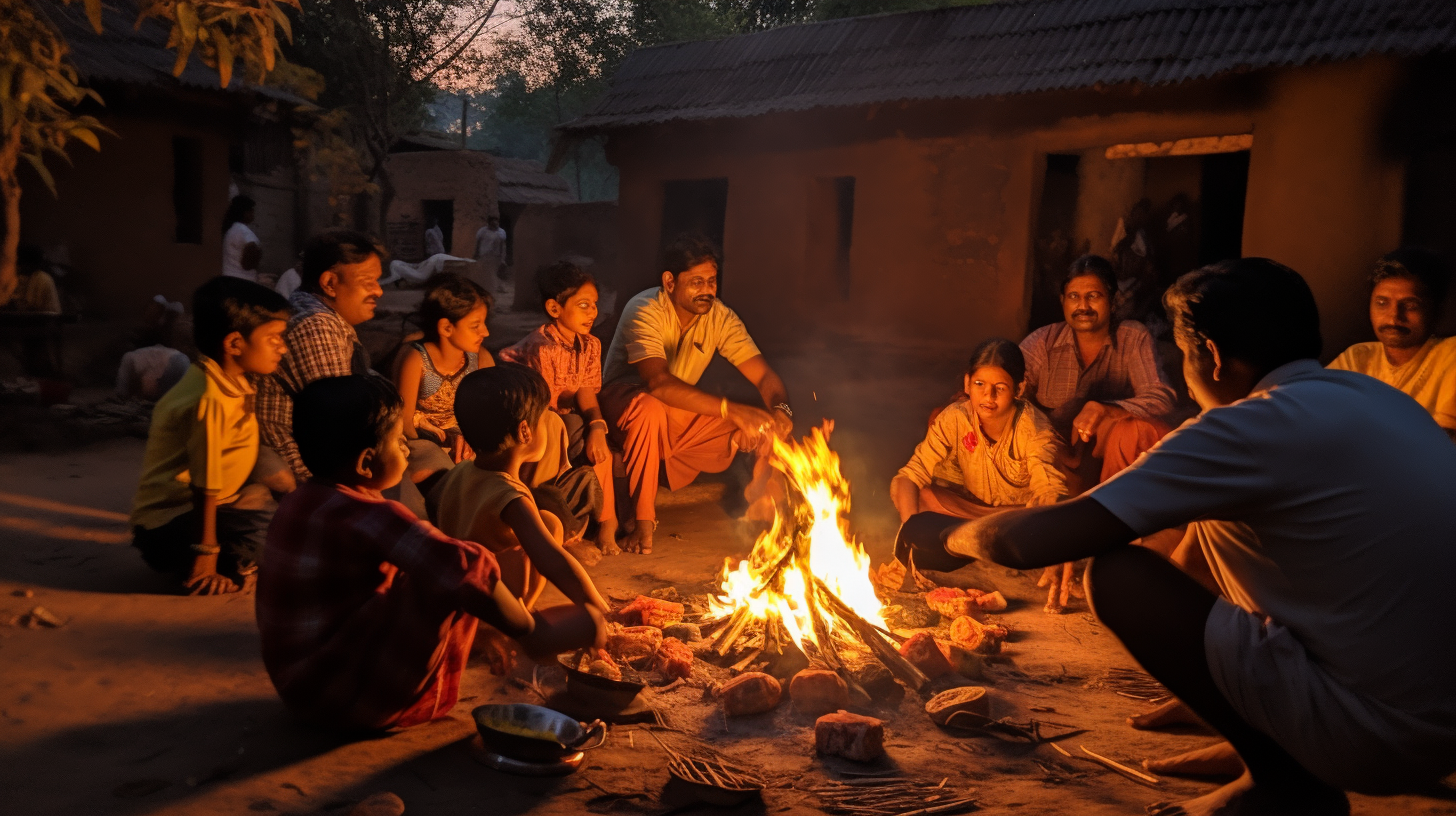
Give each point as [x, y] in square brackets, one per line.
[442, 212]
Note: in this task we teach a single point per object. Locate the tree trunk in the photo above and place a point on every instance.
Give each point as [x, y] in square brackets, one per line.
[10, 193]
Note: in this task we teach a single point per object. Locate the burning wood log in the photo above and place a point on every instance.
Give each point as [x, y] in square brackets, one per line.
[887, 654]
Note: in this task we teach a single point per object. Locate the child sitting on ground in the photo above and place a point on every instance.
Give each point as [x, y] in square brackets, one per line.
[190, 516]
[569, 357]
[501, 411]
[453, 316]
[367, 613]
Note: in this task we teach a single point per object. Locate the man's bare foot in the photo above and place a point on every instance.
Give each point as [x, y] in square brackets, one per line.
[1169, 714]
[607, 538]
[639, 537]
[1218, 760]
[1244, 798]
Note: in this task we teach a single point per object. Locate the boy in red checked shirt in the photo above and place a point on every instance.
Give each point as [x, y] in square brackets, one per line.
[566, 354]
[367, 613]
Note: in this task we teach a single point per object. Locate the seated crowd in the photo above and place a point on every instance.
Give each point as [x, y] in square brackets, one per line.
[1057, 449]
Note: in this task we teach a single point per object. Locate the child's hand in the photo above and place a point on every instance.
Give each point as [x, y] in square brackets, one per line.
[596, 445]
[460, 450]
[499, 651]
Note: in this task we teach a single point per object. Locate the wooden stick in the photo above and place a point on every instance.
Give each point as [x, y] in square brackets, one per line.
[752, 656]
[730, 633]
[903, 669]
[945, 808]
[1121, 768]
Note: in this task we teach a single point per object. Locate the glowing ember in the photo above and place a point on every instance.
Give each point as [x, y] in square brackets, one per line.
[816, 543]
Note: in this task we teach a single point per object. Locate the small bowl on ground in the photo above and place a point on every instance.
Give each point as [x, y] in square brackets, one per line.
[534, 733]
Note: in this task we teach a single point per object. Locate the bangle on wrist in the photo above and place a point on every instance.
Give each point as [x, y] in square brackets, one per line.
[723, 408]
[784, 407]
[603, 423]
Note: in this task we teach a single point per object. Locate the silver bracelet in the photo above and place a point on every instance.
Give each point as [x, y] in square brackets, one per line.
[784, 406]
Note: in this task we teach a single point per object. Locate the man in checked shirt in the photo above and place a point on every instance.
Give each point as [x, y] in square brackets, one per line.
[339, 289]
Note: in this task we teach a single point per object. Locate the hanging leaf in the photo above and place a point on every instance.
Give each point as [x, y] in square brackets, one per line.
[224, 60]
[86, 137]
[40, 170]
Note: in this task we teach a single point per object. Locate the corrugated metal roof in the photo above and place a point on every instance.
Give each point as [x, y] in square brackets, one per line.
[1002, 49]
[525, 181]
[138, 55]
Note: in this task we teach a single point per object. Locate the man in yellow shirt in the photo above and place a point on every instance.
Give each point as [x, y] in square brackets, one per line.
[203, 443]
[1408, 287]
[658, 415]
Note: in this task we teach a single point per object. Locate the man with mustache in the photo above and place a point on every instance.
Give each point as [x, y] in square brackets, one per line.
[658, 415]
[1407, 288]
[338, 291]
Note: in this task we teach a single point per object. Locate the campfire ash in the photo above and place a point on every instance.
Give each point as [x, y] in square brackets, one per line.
[805, 590]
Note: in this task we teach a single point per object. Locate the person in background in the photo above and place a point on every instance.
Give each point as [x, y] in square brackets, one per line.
[434, 239]
[667, 336]
[35, 287]
[1407, 288]
[453, 317]
[490, 251]
[366, 613]
[191, 516]
[1097, 379]
[241, 252]
[1322, 499]
[991, 452]
[569, 357]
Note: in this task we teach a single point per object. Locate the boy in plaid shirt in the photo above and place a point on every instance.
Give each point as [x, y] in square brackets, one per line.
[367, 613]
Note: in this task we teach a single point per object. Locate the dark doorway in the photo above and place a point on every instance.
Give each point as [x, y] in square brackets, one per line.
[697, 205]
[442, 211]
[1225, 186]
[1056, 245]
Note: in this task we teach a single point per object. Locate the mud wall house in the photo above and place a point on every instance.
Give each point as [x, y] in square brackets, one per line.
[143, 216]
[930, 173]
[435, 179]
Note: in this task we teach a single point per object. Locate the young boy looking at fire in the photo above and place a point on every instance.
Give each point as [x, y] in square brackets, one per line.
[500, 410]
[367, 614]
[188, 517]
[569, 357]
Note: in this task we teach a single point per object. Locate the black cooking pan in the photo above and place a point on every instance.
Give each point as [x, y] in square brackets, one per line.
[602, 692]
[533, 733]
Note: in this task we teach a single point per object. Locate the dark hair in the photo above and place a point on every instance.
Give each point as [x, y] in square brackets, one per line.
[329, 249]
[29, 258]
[450, 297]
[687, 251]
[1254, 309]
[236, 209]
[492, 402]
[337, 418]
[225, 305]
[1422, 266]
[1096, 266]
[1003, 354]
[560, 279]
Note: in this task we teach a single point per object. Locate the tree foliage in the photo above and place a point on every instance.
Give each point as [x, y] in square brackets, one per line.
[40, 90]
[381, 61]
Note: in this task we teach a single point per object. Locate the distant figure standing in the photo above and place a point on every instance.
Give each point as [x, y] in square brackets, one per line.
[434, 239]
[241, 251]
[490, 252]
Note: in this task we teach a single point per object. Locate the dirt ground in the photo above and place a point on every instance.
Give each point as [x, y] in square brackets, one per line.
[144, 702]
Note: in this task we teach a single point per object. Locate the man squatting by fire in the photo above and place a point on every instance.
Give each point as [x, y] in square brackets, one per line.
[1320, 499]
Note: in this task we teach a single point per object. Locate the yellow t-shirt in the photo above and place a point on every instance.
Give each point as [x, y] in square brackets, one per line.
[1429, 377]
[650, 328]
[470, 500]
[204, 435]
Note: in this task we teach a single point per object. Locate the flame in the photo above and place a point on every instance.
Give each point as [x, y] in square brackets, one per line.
[817, 542]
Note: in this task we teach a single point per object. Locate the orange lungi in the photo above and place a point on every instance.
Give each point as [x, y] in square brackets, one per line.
[657, 438]
[1117, 444]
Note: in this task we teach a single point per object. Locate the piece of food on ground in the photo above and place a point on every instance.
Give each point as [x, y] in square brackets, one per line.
[750, 693]
[992, 602]
[604, 668]
[921, 650]
[950, 602]
[645, 611]
[674, 659]
[818, 691]
[686, 632]
[910, 616]
[978, 637]
[969, 698]
[851, 736]
[962, 660]
[633, 644]
[878, 682]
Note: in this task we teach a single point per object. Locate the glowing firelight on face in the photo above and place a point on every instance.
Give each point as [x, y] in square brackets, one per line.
[824, 549]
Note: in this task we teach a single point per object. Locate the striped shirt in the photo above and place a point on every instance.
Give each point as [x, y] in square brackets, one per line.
[367, 613]
[1125, 373]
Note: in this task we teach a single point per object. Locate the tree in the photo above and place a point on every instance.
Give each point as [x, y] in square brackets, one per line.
[381, 61]
[41, 91]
